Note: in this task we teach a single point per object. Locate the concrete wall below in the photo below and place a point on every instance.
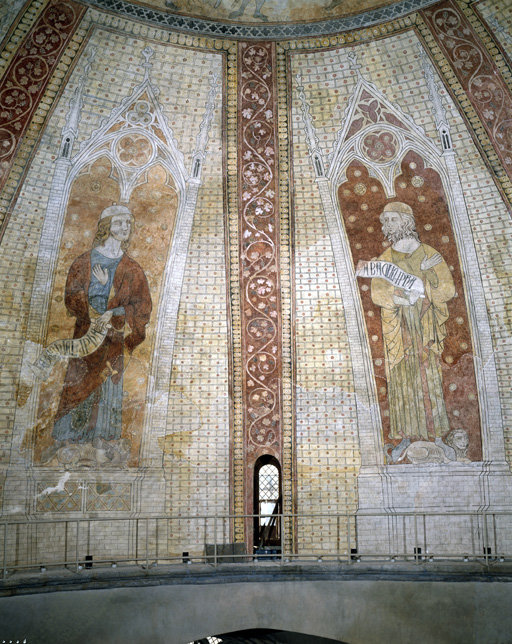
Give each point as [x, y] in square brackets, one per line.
[355, 612]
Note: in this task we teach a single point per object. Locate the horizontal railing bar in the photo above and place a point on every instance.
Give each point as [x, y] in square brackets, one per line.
[364, 558]
[346, 552]
[151, 517]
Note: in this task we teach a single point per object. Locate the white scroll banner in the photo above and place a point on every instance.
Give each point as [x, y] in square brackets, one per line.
[40, 369]
[72, 348]
[411, 284]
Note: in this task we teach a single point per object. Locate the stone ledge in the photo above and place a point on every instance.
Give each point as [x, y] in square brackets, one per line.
[33, 581]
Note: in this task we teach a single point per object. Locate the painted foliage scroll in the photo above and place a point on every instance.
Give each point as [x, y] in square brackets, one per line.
[477, 73]
[259, 244]
[25, 80]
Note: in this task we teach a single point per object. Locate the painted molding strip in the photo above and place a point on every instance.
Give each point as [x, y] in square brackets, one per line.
[199, 26]
[477, 73]
[25, 80]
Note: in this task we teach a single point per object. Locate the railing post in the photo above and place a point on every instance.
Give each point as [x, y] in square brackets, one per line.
[4, 573]
[416, 538]
[147, 559]
[77, 546]
[215, 540]
[205, 542]
[137, 541]
[425, 533]
[404, 537]
[65, 543]
[349, 540]
[494, 534]
[472, 523]
[157, 541]
[281, 519]
[486, 540]
[337, 537]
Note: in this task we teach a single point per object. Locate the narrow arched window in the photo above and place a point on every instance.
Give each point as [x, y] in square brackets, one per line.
[267, 502]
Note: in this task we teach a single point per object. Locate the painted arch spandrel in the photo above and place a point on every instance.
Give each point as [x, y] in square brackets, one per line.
[423, 366]
[74, 427]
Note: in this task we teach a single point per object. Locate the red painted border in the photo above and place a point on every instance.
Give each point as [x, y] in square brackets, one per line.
[27, 76]
[259, 258]
[477, 73]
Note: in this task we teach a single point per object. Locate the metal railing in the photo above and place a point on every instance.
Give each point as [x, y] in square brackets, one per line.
[350, 538]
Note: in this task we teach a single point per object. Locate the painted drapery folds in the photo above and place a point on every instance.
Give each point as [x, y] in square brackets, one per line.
[104, 288]
[94, 412]
[420, 341]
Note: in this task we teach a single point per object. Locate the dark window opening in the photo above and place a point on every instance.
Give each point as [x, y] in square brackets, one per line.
[267, 503]
[445, 137]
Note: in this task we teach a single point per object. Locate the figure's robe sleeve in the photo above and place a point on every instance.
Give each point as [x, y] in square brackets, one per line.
[439, 289]
[132, 293]
[76, 294]
[382, 293]
[137, 309]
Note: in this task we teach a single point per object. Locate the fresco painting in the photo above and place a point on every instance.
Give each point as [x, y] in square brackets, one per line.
[260, 11]
[420, 340]
[111, 260]
[325, 280]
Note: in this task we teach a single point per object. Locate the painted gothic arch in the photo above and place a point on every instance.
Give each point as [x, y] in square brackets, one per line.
[371, 119]
[135, 139]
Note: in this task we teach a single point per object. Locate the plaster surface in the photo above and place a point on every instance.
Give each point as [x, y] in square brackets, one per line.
[350, 611]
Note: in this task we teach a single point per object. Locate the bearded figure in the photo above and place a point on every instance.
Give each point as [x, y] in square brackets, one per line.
[413, 331]
[105, 289]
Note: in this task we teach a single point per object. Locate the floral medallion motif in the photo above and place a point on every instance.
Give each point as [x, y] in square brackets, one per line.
[380, 147]
[134, 150]
[259, 255]
[25, 79]
[477, 74]
[140, 114]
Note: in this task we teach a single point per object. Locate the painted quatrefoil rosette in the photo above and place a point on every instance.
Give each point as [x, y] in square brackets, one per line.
[380, 147]
[134, 150]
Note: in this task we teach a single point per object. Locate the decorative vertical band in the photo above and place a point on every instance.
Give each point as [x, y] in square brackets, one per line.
[259, 231]
[477, 73]
[25, 80]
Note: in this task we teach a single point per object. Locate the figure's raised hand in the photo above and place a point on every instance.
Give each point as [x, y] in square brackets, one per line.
[430, 262]
[101, 274]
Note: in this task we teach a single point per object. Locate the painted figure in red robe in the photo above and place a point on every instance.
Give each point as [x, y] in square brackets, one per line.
[108, 289]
